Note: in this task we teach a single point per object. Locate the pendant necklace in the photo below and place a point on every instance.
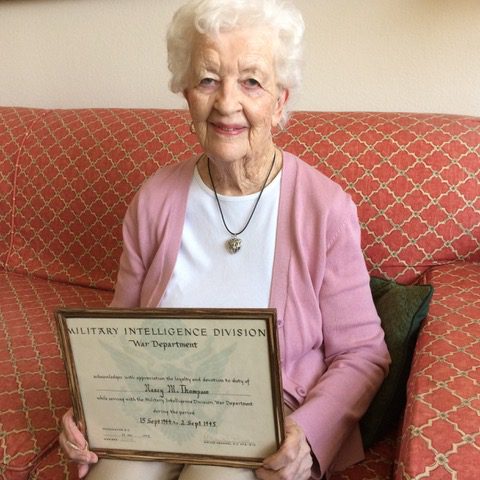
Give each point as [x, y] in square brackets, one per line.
[234, 244]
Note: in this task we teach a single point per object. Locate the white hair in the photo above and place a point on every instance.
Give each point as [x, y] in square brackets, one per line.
[211, 17]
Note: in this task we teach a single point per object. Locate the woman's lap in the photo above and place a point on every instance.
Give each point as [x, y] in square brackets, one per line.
[203, 472]
[127, 470]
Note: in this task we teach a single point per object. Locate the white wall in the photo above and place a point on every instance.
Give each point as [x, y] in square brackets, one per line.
[392, 55]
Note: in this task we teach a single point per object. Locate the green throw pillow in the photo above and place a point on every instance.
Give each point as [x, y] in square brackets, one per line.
[401, 309]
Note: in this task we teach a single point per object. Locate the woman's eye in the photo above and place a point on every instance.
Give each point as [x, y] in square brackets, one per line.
[252, 83]
[207, 82]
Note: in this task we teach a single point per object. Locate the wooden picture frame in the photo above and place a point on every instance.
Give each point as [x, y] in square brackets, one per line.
[193, 386]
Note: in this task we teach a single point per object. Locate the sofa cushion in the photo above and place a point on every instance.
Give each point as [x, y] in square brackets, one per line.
[34, 393]
[377, 465]
[441, 427]
[54, 466]
[401, 309]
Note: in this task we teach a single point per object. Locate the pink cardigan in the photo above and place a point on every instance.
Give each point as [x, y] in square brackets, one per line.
[332, 349]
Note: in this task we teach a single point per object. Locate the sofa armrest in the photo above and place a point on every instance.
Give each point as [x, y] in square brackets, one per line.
[441, 428]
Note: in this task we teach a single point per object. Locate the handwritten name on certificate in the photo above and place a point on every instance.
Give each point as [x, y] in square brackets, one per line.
[176, 385]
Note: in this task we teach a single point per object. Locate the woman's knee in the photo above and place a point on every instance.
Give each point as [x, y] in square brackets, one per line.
[133, 470]
[205, 472]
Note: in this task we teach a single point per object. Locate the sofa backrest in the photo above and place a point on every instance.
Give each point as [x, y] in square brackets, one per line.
[14, 127]
[67, 176]
[74, 175]
[414, 177]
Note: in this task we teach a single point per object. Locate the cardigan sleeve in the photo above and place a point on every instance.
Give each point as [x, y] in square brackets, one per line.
[152, 231]
[355, 354]
[131, 271]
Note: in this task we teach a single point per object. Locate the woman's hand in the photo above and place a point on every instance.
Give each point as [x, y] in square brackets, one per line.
[293, 460]
[75, 446]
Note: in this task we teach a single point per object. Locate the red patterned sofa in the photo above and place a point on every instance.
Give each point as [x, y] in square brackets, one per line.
[66, 177]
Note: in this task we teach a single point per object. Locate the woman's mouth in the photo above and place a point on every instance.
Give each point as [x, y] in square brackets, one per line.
[228, 129]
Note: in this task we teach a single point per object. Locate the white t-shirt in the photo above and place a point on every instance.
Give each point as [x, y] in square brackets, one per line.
[206, 275]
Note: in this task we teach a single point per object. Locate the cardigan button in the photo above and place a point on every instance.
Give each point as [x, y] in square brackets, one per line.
[301, 391]
[279, 322]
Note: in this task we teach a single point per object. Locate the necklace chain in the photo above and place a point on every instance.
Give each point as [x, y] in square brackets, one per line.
[234, 244]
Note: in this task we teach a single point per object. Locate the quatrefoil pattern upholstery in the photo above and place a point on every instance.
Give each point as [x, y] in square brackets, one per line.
[13, 130]
[441, 434]
[74, 176]
[77, 170]
[33, 393]
[413, 177]
[67, 176]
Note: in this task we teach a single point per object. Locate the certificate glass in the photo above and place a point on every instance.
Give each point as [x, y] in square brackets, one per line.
[177, 385]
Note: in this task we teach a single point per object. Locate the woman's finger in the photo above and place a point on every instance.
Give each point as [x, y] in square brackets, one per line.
[74, 445]
[293, 461]
[72, 431]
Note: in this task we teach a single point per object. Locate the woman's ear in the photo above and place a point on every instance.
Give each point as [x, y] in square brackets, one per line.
[281, 101]
[185, 95]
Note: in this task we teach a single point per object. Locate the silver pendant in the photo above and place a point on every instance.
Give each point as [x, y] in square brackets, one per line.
[234, 244]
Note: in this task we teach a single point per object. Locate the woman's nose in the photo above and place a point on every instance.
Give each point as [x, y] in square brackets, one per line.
[227, 100]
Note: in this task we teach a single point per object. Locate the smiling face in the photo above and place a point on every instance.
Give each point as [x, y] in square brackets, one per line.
[233, 95]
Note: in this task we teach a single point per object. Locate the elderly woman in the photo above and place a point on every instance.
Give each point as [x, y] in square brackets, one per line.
[248, 225]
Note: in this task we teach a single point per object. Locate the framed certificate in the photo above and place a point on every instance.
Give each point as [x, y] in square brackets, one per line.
[177, 385]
